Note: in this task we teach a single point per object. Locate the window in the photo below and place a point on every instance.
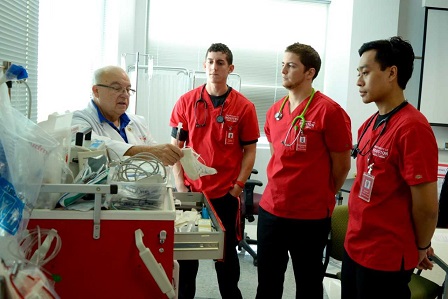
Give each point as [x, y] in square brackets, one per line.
[257, 32]
[74, 40]
[18, 45]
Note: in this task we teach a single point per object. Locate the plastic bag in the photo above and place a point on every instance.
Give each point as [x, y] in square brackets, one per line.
[24, 149]
[56, 170]
[141, 181]
[27, 283]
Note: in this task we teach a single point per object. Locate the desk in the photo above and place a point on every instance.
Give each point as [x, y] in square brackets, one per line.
[440, 244]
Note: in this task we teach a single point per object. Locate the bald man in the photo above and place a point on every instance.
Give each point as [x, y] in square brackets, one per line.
[125, 134]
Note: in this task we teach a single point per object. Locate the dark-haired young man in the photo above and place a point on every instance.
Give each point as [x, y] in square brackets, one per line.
[393, 202]
[221, 126]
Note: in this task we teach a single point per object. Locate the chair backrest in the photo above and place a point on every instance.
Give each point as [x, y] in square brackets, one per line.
[249, 199]
[339, 222]
[442, 221]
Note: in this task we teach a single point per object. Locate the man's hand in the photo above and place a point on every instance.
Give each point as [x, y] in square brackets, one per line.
[168, 153]
[424, 261]
[236, 191]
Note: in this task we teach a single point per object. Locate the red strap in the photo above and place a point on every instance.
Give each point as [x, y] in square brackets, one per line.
[239, 233]
[241, 184]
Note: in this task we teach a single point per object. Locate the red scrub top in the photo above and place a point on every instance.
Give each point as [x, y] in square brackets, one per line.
[300, 183]
[209, 138]
[380, 232]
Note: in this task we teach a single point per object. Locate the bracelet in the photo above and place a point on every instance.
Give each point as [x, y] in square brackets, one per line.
[241, 184]
[424, 248]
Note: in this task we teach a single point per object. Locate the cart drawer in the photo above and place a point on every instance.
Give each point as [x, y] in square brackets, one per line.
[198, 245]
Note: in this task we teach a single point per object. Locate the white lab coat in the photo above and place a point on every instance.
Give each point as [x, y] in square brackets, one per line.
[136, 131]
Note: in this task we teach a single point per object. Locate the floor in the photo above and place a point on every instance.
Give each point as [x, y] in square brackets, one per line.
[207, 285]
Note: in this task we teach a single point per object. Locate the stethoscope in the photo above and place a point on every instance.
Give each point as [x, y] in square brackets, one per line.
[356, 150]
[219, 118]
[301, 117]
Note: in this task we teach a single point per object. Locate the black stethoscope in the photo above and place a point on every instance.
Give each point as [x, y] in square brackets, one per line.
[219, 118]
[356, 150]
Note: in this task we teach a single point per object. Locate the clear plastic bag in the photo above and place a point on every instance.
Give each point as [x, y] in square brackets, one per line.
[30, 282]
[56, 170]
[141, 182]
[24, 149]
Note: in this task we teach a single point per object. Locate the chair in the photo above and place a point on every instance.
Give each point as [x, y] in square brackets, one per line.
[249, 208]
[421, 287]
[335, 245]
[442, 221]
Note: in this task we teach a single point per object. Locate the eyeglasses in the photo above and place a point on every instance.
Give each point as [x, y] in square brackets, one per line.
[119, 89]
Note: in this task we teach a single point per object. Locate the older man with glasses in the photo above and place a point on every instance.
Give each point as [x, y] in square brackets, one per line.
[125, 134]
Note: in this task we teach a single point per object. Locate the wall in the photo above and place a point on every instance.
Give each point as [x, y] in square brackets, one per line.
[411, 25]
[371, 20]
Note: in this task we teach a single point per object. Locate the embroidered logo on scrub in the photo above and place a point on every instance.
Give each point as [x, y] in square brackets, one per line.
[232, 118]
[309, 124]
[380, 152]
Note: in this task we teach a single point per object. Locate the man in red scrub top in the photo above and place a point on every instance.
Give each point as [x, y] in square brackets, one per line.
[310, 140]
[393, 203]
[220, 125]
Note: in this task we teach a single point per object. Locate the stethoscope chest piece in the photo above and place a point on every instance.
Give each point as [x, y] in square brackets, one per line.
[220, 118]
[278, 115]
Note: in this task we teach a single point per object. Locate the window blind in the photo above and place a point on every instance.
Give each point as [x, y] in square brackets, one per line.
[18, 45]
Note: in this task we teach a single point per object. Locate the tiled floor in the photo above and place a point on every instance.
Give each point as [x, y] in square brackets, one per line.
[207, 285]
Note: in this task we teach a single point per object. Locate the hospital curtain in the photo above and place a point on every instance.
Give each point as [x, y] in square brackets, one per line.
[18, 45]
[257, 40]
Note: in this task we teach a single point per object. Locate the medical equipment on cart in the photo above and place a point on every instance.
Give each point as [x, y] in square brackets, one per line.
[24, 276]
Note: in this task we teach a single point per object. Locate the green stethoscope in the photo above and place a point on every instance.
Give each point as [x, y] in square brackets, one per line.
[301, 117]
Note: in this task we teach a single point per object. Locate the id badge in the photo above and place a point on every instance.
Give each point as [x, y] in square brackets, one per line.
[229, 138]
[301, 142]
[366, 186]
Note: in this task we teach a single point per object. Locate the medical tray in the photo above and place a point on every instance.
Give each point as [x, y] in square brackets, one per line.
[198, 245]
